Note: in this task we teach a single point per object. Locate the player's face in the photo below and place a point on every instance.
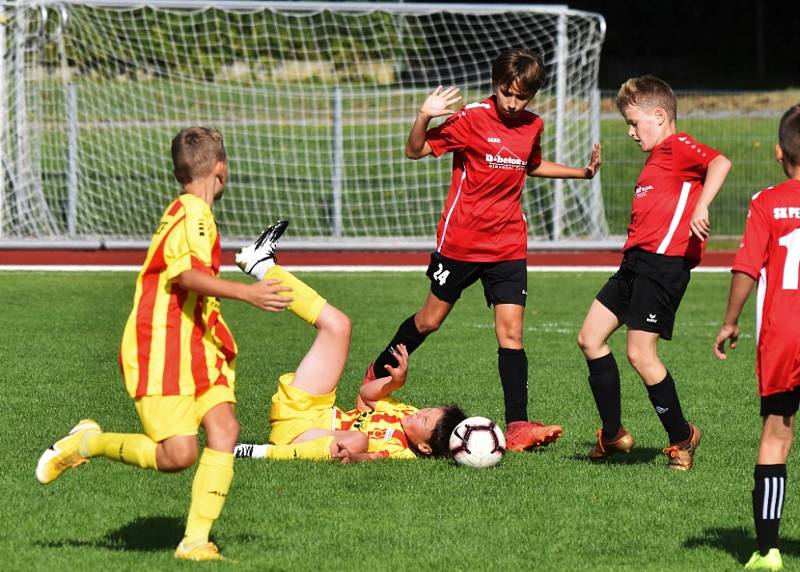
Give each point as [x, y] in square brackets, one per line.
[419, 426]
[511, 101]
[644, 126]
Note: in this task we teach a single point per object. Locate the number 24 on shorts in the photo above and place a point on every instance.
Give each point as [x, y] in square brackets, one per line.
[441, 275]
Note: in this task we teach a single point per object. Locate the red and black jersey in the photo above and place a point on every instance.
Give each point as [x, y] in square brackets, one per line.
[770, 253]
[482, 219]
[665, 196]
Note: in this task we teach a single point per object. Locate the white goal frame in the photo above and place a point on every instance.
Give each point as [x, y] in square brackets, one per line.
[36, 224]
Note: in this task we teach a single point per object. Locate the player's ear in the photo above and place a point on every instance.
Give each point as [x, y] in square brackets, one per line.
[778, 153]
[424, 448]
[661, 115]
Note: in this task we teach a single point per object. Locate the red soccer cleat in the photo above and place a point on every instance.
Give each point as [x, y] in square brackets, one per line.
[522, 435]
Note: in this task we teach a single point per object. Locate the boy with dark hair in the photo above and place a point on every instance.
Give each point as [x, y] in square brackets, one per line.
[482, 233]
[770, 254]
[306, 424]
[177, 355]
[666, 238]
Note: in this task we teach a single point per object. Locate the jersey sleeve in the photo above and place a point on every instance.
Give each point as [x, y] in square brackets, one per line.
[190, 246]
[752, 253]
[452, 135]
[692, 158]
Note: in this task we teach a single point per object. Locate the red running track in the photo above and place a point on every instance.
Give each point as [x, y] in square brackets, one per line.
[329, 258]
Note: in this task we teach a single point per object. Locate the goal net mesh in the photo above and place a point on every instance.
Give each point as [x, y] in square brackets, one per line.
[314, 101]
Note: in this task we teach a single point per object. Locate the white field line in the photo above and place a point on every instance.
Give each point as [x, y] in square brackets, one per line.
[332, 268]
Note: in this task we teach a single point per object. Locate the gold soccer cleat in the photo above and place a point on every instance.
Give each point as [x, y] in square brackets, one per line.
[681, 458]
[199, 552]
[65, 453]
[622, 443]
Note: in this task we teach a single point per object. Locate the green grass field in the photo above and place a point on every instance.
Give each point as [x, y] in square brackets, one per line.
[547, 510]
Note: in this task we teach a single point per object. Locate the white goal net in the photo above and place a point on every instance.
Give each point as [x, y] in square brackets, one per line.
[315, 101]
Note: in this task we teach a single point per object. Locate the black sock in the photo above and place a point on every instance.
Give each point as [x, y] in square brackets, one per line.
[513, 367]
[665, 400]
[406, 334]
[604, 381]
[768, 494]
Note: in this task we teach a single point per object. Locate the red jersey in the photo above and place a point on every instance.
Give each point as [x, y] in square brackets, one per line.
[482, 219]
[770, 252]
[665, 196]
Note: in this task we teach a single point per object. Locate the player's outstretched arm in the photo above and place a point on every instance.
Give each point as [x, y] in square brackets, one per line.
[741, 286]
[377, 389]
[718, 168]
[435, 105]
[268, 295]
[551, 170]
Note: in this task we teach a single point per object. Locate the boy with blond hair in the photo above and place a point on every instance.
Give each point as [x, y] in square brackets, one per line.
[666, 238]
[177, 355]
[770, 254]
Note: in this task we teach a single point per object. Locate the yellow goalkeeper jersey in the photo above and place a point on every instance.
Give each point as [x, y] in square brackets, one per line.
[382, 427]
[176, 342]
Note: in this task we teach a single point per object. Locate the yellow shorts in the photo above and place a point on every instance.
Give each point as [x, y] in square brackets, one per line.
[295, 411]
[165, 416]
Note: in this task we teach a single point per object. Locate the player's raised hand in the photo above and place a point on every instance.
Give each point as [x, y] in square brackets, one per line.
[726, 332]
[594, 162]
[399, 373]
[700, 225]
[437, 103]
[268, 295]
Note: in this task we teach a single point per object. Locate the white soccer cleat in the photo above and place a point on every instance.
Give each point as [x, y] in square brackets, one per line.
[65, 453]
[255, 259]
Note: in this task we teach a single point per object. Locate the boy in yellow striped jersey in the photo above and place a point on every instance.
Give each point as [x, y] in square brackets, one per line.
[178, 356]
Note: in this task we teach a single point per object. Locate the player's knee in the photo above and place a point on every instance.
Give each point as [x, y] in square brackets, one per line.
[427, 324]
[335, 321]
[177, 456]
[639, 360]
[585, 342]
[355, 442]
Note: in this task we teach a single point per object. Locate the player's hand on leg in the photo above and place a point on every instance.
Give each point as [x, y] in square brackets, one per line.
[437, 103]
[726, 332]
[399, 373]
[268, 295]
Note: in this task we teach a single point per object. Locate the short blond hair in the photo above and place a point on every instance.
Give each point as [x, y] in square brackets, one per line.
[195, 152]
[647, 92]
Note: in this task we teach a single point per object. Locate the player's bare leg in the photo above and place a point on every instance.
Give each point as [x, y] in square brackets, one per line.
[512, 363]
[769, 490]
[177, 453]
[598, 325]
[321, 368]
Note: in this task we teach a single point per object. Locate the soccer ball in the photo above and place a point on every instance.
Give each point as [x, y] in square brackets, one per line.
[477, 442]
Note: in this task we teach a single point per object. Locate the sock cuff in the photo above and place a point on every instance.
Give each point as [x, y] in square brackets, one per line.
[217, 458]
[762, 471]
[601, 365]
[666, 384]
[510, 352]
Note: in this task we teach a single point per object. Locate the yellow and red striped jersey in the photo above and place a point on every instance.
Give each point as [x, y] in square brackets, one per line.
[176, 342]
[382, 427]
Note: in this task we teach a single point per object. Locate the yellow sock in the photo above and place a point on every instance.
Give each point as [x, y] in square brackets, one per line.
[209, 489]
[129, 448]
[314, 450]
[306, 303]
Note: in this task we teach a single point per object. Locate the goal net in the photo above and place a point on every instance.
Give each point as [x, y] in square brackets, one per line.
[315, 101]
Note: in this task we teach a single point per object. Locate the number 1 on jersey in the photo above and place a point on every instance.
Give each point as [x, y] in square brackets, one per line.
[790, 268]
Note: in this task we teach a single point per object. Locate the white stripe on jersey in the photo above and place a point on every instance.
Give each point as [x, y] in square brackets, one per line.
[676, 218]
[761, 294]
[452, 207]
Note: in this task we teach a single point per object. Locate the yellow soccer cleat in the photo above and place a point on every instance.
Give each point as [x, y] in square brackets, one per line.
[771, 561]
[202, 552]
[65, 453]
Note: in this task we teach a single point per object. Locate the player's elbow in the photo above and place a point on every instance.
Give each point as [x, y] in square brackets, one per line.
[413, 154]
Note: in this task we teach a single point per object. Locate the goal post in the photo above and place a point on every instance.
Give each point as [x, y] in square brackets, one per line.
[314, 99]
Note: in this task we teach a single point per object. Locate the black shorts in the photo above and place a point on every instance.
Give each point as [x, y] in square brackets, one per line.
[784, 404]
[646, 291]
[503, 282]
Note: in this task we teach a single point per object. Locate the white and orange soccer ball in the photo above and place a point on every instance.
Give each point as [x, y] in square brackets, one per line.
[477, 442]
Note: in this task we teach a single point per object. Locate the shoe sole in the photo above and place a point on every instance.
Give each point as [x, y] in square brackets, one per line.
[53, 451]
